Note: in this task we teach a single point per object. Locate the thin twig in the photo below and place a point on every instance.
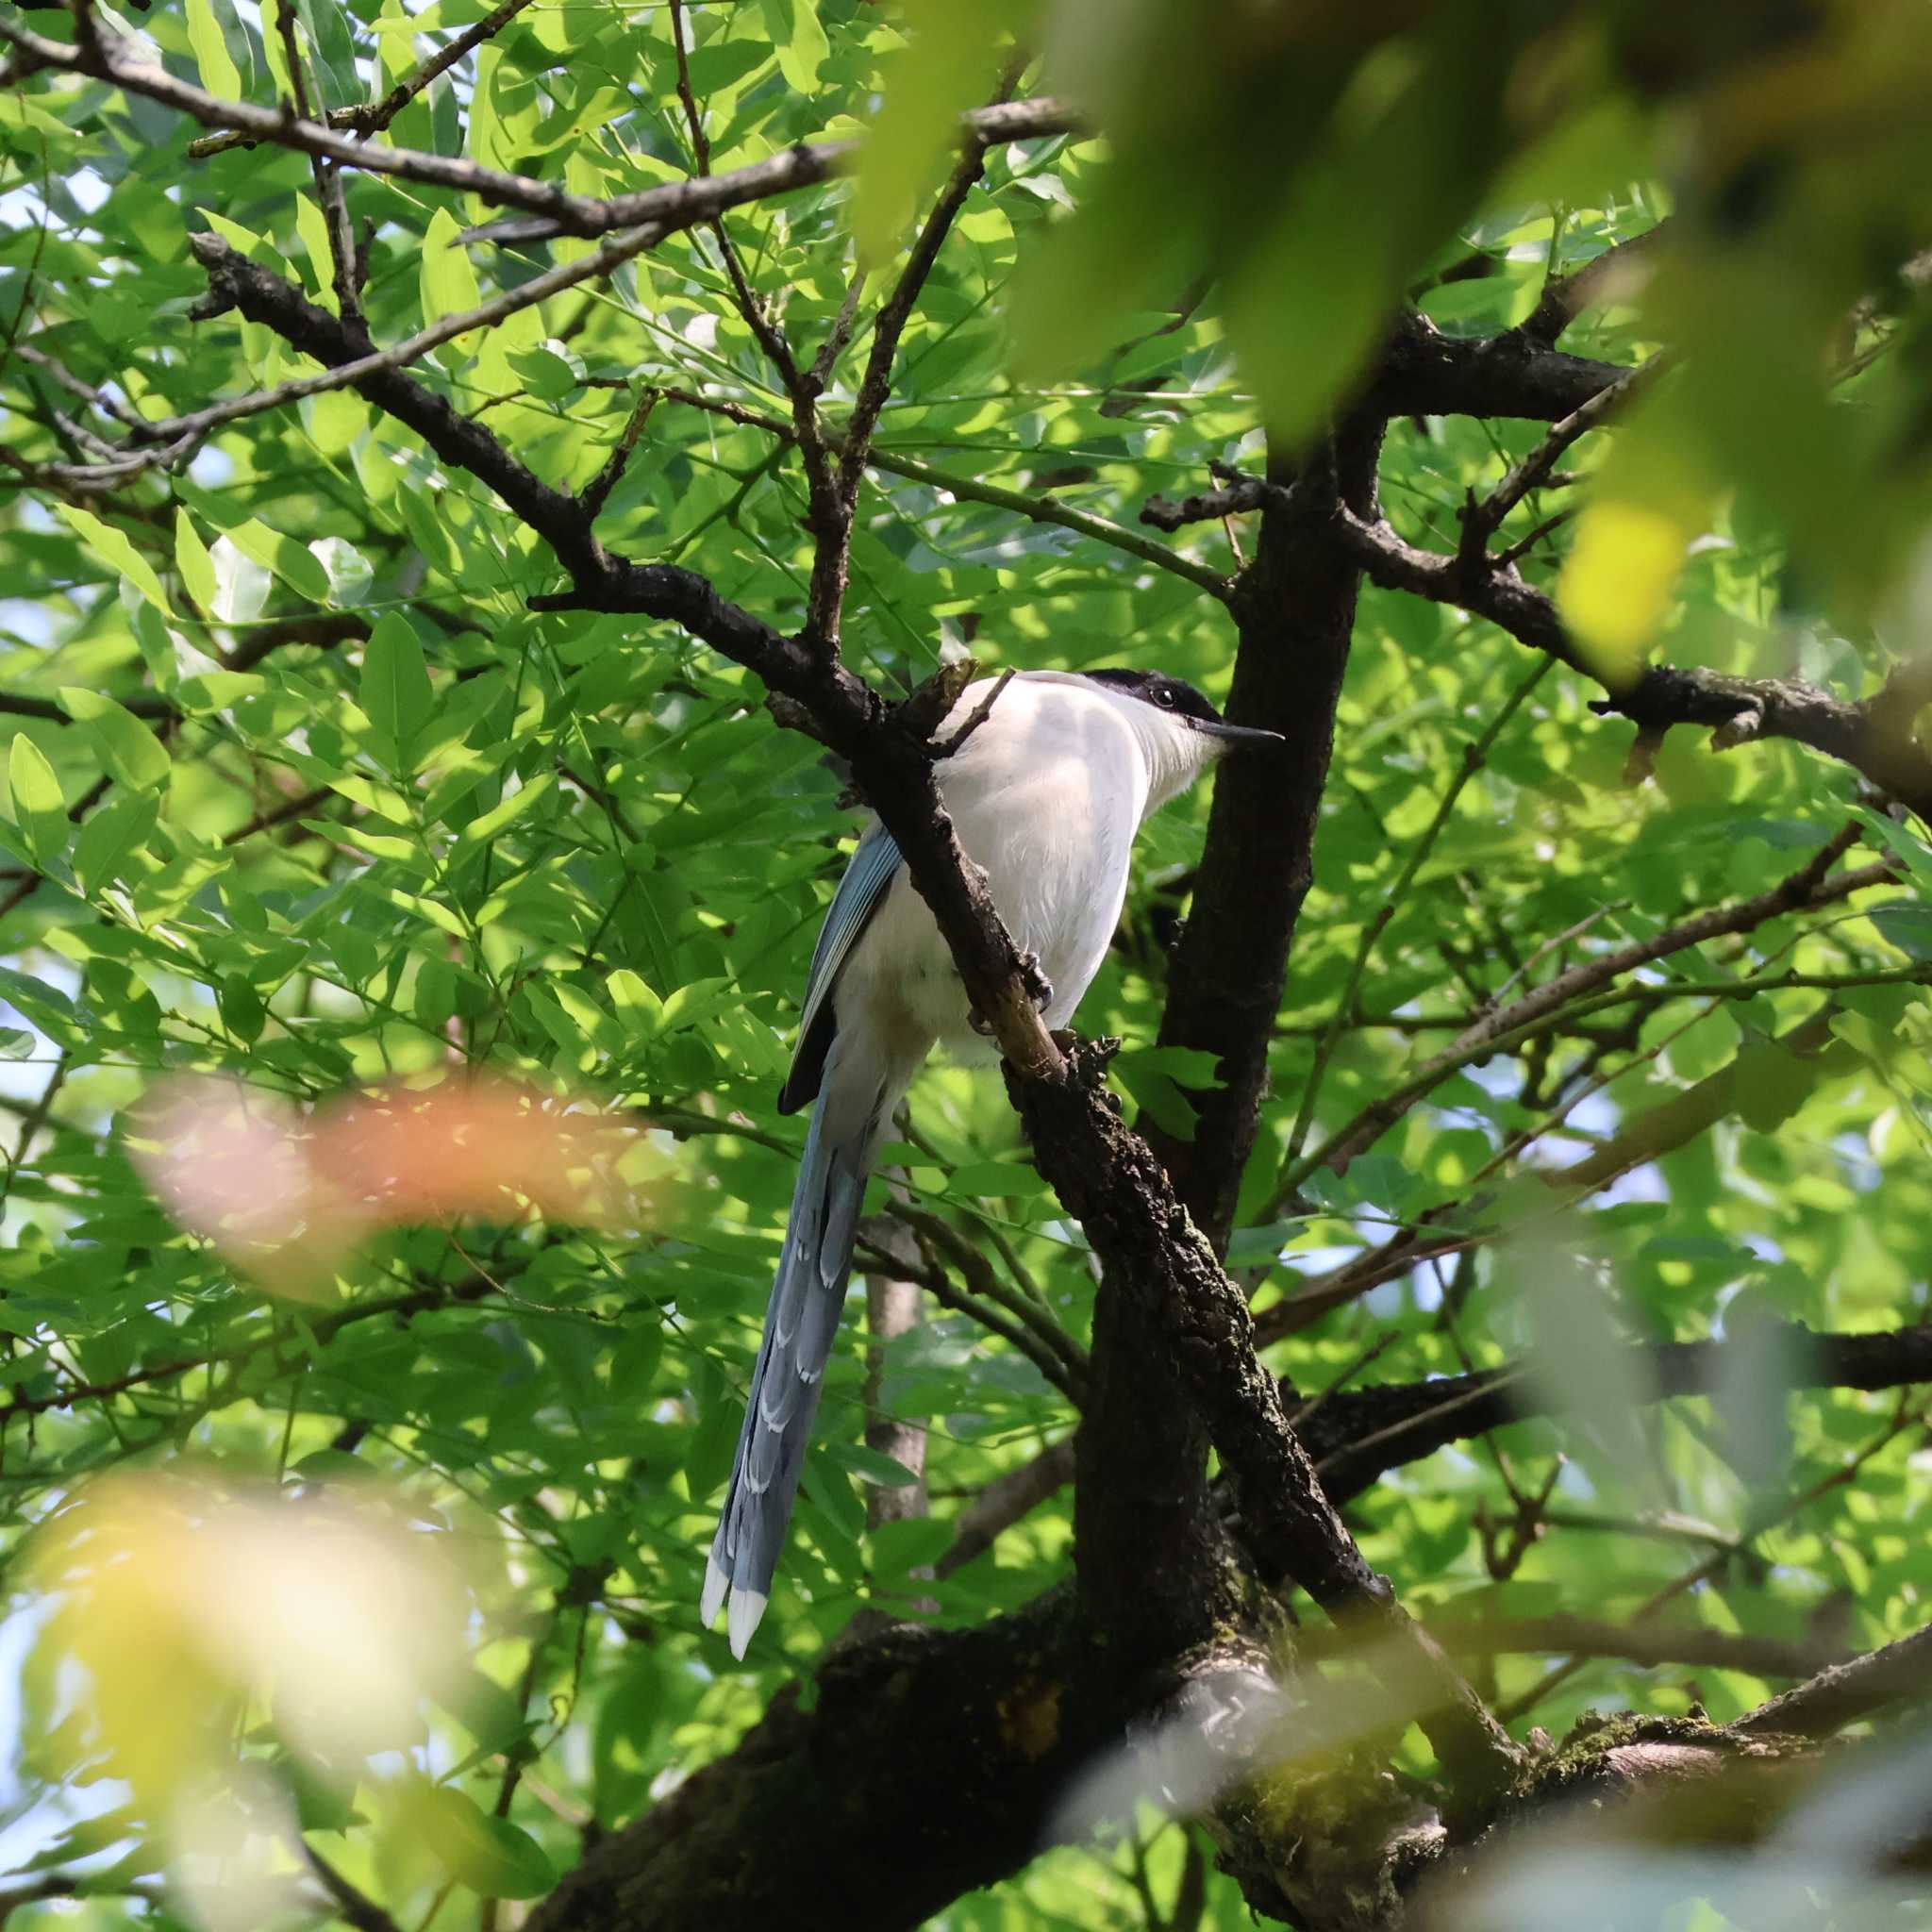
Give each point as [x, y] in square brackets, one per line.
[1474, 755]
[328, 177]
[1482, 517]
[593, 494]
[60, 373]
[608, 254]
[1714, 1564]
[373, 119]
[1567, 997]
[936, 1234]
[1846, 1691]
[352, 1905]
[1040, 509]
[676, 204]
[983, 710]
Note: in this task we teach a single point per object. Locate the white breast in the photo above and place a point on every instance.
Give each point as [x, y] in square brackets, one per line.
[1046, 796]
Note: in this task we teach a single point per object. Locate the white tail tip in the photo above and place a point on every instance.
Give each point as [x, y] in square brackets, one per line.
[747, 1607]
[716, 1583]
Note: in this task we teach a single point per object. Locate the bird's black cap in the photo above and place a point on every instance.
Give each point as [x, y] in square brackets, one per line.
[1177, 695]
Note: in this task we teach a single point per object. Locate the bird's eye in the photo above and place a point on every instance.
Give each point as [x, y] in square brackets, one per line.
[1163, 695]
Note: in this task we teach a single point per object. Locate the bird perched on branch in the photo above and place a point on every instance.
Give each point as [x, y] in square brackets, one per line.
[1046, 793]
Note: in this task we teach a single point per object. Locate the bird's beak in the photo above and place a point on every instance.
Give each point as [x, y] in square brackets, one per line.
[1243, 734]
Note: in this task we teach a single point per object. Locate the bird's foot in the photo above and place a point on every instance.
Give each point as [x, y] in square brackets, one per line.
[1033, 975]
[1039, 989]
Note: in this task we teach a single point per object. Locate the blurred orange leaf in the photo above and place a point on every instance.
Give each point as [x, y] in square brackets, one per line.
[286, 1193]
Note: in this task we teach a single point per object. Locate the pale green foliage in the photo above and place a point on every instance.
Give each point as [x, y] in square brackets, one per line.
[573, 848]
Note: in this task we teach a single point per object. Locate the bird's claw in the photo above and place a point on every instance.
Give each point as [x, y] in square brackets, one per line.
[1036, 983]
[1039, 989]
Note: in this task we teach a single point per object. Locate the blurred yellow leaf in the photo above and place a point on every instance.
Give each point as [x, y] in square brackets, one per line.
[1617, 582]
[181, 1600]
[948, 67]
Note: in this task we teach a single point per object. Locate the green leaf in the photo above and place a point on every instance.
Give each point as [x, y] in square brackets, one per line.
[46, 1006]
[868, 1466]
[396, 692]
[110, 834]
[242, 240]
[311, 225]
[794, 30]
[287, 558]
[195, 566]
[241, 585]
[1771, 1084]
[109, 547]
[508, 808]
[492, 1856]
[333, 420]
[982, 1179]
[332, 44]
[40, 809]
[1073, 285]
[1309, 298]
[212, 60]
[448, 280]
[438, 914]
[350, 575]
[320, 1805]
[216, 691]
[1907, 928]
[134, 754]
[640, 1008]
[947, 69]
[550, 374]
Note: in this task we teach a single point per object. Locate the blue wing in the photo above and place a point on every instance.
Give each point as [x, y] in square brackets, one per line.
[874, 867]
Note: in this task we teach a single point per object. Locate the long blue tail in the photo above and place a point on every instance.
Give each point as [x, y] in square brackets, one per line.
[854, 1102]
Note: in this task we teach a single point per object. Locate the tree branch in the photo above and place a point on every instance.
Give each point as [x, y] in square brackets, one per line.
[1003, 1502]
[1425, 372]
[373, 118]
[1358, 1434]
[1037, 508]
[1650, 1645]
[1806, 887]
[326, 174]
[1161, 1264]
[675, 205]
[822, 487]
[1844, 1693]
[1565, 297]
[1146, 1536]
[1873, 736]
[951, 1747]
[889, 762]
[352, 1907]
[835, 502]
[1484, 516]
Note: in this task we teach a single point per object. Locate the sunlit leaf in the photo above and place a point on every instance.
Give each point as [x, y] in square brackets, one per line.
[39, 807]
[134, 754]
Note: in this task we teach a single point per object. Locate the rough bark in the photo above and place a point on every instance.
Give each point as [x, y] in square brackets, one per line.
[1146, 1539]
[922, 1769]
[1295, 610]
[927, 1765]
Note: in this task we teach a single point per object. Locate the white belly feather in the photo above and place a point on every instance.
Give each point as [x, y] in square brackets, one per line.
[1048, 805]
